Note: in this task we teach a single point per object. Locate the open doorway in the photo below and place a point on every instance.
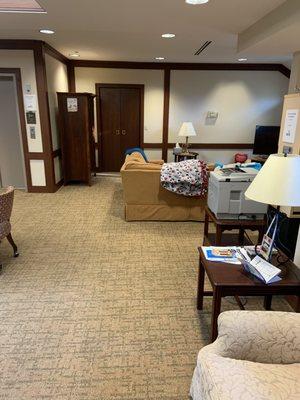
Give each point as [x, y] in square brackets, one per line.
[12, 166]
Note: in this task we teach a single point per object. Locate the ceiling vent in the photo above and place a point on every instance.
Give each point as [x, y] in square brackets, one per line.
[203, 47]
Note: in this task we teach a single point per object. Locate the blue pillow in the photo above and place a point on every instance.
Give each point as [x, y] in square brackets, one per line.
[137, 150]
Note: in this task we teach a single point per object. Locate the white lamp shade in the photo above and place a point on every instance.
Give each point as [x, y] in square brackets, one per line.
[278, 182]
[187, 129]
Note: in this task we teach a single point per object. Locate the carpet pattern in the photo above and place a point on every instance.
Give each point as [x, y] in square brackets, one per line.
[97, 308]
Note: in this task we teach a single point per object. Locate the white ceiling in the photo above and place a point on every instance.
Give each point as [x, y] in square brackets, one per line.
[130, 30]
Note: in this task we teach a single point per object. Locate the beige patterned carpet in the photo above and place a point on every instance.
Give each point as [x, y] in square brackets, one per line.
[97, 308]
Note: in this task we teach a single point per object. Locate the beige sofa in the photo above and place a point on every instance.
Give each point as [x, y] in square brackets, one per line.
[255, 357]
[146, 200]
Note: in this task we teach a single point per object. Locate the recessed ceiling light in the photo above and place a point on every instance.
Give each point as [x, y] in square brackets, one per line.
[47, 31]
[74, 54]
[159, 58]
[196, 1]
[242, 59]
[168, 35]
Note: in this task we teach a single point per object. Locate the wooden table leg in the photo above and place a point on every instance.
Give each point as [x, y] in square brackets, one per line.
[216, 309]
[200, 292]
[261, 232]
[219, 236]
[241, 236]
[268, 302]
[206, 226]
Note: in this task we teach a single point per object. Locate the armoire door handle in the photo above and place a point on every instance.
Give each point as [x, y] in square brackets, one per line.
[123, 132]
[117, 132]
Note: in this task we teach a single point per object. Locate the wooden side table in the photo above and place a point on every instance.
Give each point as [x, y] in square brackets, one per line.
[231, 280]
[186, 156]
[230, 224]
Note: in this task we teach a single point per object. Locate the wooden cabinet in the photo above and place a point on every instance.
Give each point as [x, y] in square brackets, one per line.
[120, 122]
[76, 122]
[291, 103]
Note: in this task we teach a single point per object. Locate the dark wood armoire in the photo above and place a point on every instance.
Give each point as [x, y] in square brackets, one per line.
[76, 124]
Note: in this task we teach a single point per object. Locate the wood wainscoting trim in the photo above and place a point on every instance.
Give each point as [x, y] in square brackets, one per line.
[217, 146]
[206, 146]
[165, 136]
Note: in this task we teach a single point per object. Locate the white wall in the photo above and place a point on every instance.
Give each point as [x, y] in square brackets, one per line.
[24, 60]
[86, 78]
[57, 81]
[243, 100]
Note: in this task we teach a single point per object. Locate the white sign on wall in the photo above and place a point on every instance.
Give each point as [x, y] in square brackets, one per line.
[290, 126]
[30, 102]
[72, 104]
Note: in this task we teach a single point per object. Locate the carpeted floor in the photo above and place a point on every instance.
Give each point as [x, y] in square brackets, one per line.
[97, 308]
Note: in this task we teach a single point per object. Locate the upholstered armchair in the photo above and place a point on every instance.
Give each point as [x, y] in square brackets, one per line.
[256, 356]
[6, 205]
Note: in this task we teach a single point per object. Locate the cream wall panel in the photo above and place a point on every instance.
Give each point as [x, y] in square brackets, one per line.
[86, 78]
[57, 169]
[243, 100]
[57, 81]
[153, 154]
[24, 60]
[37, 168]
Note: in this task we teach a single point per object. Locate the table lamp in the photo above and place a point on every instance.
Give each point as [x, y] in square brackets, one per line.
[187, 130]
[278, 184]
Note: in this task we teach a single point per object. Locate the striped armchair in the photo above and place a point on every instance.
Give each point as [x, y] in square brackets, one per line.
[6, 205]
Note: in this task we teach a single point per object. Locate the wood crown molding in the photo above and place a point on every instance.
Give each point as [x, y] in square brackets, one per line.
[19, 44]
[182, 66]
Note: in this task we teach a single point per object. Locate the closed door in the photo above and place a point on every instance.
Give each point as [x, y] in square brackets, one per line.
[120, 118]
[11, 155]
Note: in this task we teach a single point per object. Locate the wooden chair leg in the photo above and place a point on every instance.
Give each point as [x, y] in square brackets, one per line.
[13, 244]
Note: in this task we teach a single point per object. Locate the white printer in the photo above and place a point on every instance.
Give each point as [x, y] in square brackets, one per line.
[226, 194]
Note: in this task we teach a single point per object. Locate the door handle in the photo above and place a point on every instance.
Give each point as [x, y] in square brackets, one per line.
[117, 132]
[123, 132]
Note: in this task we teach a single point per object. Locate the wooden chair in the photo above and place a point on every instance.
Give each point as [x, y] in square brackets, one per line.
[6, 205]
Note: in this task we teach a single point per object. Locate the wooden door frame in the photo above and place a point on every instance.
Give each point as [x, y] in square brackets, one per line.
[16, 73]
[99, 86]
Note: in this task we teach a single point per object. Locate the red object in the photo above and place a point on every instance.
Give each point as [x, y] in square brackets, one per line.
[240, 157]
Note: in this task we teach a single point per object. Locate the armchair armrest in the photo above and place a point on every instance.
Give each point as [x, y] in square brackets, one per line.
[160, 162]
[259, 336]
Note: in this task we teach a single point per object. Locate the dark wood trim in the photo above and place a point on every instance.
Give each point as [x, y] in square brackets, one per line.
[42, 93]
[206, 146]
[31, 44]
[98, 87]
[183, 66]
[36, 156]
[284, 70]
[51, 51]
[165, 134]
[71, 77]
[41, 189]
[15, 44]
[152, 145]
[56, 153]
[217, 146]
[18, 79]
